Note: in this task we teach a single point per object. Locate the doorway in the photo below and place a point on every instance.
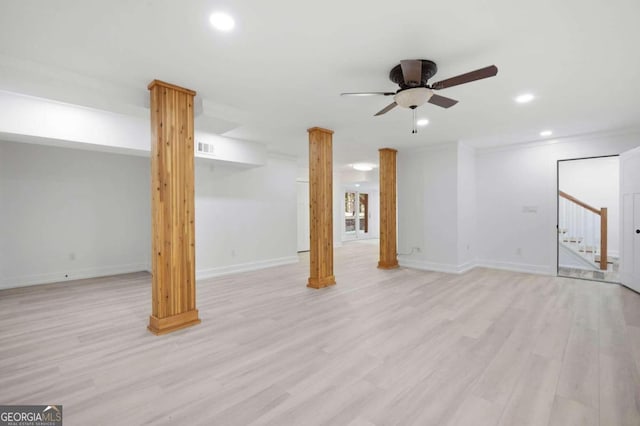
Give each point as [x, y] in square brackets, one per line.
[357, 215]
[588, 218]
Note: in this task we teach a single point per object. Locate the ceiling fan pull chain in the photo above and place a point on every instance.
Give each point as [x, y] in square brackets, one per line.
[415, 128]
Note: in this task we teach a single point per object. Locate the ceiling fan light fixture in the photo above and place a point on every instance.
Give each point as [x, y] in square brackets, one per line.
[413, 97]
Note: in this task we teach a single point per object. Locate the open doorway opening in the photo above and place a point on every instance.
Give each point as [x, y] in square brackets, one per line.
[589, 218]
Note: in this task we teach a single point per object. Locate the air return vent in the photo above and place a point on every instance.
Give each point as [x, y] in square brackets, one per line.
[204, 148]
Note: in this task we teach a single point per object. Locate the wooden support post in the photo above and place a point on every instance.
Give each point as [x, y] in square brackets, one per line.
[364, 200]
[172, 209]
[388, 245]
[603, 238]
[321, 208]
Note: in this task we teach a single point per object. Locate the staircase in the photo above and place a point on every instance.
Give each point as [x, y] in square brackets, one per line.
[582, 234]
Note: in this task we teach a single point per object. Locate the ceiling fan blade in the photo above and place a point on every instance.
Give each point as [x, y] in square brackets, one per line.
[466, 78]
[442, 101]
[386, 109]
[368, 93]
[411, 71]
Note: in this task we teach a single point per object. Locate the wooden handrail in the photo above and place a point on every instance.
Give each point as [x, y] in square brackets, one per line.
[603, 239]
[603, 225]
[578, 202]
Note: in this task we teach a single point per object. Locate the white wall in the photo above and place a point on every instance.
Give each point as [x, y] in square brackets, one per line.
[338, 210]
[517, 200]
[245, 217]
[427, 207]
[304, 231]
[69, 214]
[467, 213]
[596, 181]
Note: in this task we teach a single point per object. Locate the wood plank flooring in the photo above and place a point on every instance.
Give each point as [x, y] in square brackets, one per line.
[382, 347]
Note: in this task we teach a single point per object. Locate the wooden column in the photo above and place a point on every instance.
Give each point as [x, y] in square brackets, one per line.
[388, 247]
[321, 208]
[172, 209]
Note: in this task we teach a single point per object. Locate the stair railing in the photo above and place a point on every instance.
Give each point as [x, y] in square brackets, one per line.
[579, 222]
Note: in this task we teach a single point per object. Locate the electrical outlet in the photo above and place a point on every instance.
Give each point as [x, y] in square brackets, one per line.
[519, 251]
[233, 253]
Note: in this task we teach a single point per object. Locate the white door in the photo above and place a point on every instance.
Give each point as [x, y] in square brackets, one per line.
[304, 230]
[630, 200]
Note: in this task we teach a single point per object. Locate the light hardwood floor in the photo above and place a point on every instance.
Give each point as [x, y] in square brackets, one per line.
[382, 347]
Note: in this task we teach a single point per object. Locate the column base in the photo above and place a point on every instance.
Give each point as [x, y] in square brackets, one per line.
[321, 282]
[385, 265]
[175, 322]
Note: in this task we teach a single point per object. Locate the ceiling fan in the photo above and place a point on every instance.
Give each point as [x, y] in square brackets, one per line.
[412, 75]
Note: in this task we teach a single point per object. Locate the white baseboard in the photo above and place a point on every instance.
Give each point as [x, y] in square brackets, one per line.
[244, 267]
[437, 267]
[79, 274]
[54, 277]
[465, 267]
[518, 267]
[582, 268]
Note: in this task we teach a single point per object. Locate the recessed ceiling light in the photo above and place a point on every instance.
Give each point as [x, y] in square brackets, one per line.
[221, 21]
[546, 133]
[357, 185]
[524, 98]
[422, 122]
[363, 167]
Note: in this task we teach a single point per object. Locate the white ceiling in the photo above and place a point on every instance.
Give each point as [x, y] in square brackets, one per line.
[282, 69]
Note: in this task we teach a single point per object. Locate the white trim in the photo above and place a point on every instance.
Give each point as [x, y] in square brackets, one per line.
[202, 274]
[277, 155]
[518, 267]
[437, 267]
[466, 267]
[451, 145]
[54, 277]
[578, 137]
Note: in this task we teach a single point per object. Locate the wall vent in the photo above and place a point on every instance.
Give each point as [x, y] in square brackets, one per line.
[204, 148]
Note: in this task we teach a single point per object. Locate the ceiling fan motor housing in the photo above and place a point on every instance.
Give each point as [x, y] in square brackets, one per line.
[429, 69]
